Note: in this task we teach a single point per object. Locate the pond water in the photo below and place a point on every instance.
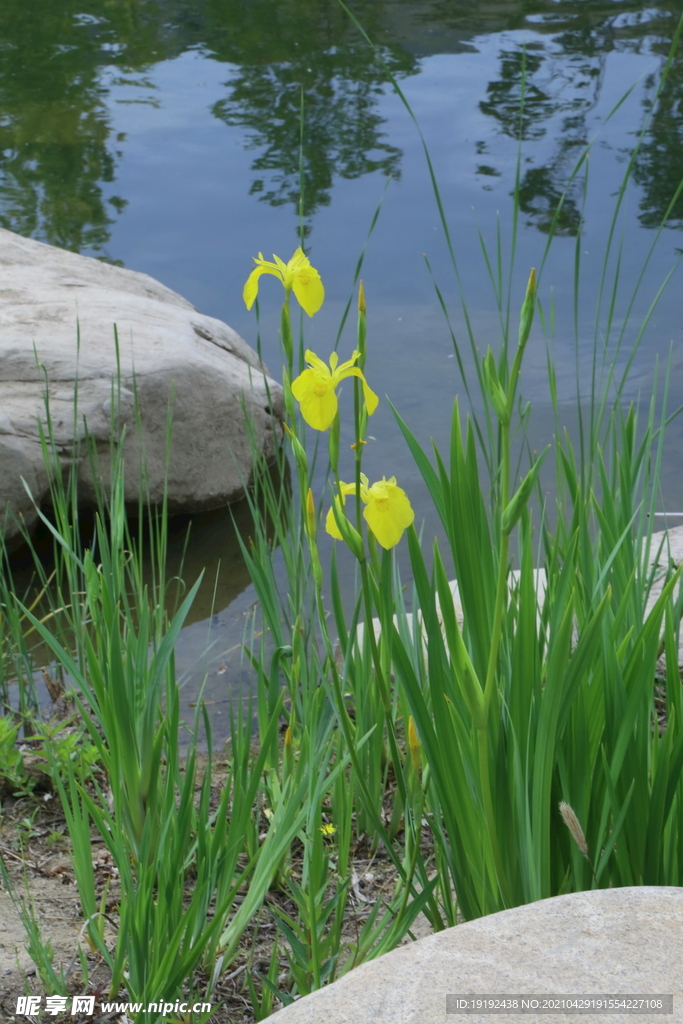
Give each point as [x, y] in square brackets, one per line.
[164, 135]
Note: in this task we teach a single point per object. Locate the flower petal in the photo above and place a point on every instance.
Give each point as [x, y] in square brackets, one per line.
[251, 287]
[330, 522]
[309, 290]
[371, 399]
[316, 363]
[317, 400]
[250, 290]
[314, 391]
[341, 371]
[298, 260]
[319, 412]
[388, 513]
[303, 383]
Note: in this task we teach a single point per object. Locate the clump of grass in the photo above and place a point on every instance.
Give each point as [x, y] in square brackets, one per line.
[546, 690]
[472, 720]
[190, 873]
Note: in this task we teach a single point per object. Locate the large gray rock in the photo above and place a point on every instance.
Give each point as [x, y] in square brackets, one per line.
[48, 299]
[609, 942]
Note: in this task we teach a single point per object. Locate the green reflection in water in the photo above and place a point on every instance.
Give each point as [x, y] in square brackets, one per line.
[58, 60]
[205, 542]
[58, 149]
[210, 648]
[311, 49]
[564, 77]
[55, 68]
[54, 134]
[659, 165]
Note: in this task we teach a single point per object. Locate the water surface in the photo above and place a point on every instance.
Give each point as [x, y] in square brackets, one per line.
[164, 136]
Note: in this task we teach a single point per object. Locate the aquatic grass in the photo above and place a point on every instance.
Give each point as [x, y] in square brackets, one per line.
[118, 653]
[428, 728]
[529, 723]
[113, 639]
[538, 688]
[115, 643]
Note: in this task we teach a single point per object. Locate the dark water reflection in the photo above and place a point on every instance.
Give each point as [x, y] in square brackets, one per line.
[164, 135]
[222, 616]
[58, 62]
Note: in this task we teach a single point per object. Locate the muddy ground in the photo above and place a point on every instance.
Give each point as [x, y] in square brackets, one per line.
[34, 846]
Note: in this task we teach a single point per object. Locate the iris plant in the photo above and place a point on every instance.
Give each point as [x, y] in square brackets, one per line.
[298, 276]
[388, 511]
[314, 388]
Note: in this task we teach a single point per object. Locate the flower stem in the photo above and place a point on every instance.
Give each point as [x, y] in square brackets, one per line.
[502, 574]
[367, 598]
[483, 744]
[286, 333]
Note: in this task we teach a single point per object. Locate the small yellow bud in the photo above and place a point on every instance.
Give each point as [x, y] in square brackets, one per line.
[310, 513]
[528, 306]
[288, 738]
[361, 298]
[414, 744]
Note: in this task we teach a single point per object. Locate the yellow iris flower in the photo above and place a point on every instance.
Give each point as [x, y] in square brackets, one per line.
[298, 276]
[314, 389]
[388, 512]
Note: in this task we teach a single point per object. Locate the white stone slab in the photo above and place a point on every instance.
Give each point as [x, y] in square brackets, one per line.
[664, 546]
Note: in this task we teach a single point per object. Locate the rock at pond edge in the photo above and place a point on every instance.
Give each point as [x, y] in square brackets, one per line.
[61, 308]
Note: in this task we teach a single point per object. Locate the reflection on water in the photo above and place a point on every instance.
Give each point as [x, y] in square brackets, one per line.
[222, 615]
[164, 134]
[205, 543]
[563, 74]
[55, 148]
[59, 61]
[307, 52]
[660, 161]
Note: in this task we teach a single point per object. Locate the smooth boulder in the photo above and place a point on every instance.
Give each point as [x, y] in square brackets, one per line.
[608, 942]
[57, 317]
